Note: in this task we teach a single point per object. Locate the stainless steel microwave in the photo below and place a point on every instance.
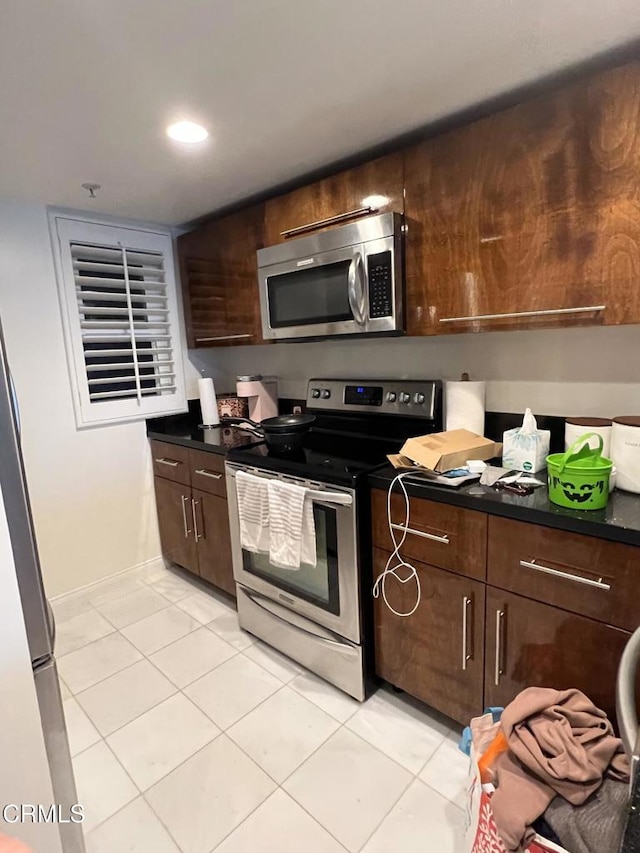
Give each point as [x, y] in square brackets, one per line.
[343, 281]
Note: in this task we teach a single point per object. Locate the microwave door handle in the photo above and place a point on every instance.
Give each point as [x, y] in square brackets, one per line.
[356, 289]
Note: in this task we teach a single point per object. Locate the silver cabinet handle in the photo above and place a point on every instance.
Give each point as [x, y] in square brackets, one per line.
[223, 338]
[499, 628]
[548, 312]
[170, 462]
[205, 473]
[466, 654]
[196, 532]
[184, 518]
[330, 220]
[355, 291]
[531, 564]
[444, 540]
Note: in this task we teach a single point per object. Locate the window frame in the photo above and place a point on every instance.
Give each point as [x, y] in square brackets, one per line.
[66, 229]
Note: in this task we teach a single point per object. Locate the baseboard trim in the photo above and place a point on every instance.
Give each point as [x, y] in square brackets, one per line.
[137, 567]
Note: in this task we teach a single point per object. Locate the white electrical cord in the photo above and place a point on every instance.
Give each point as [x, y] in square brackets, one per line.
[391, 568]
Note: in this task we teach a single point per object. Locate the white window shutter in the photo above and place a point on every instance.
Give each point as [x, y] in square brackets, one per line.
[119, 305]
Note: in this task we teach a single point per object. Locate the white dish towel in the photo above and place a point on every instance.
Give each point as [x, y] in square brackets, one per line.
[292, 539]
[253, 511]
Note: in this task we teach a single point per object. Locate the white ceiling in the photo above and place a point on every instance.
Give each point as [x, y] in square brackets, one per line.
[284, 86]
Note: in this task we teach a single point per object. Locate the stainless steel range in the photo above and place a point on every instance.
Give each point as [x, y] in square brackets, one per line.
[321, 616]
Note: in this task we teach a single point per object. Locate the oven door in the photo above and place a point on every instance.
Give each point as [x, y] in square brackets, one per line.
[347, 291]
[327, 593]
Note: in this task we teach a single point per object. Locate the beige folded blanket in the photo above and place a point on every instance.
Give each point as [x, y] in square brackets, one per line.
[559, 743]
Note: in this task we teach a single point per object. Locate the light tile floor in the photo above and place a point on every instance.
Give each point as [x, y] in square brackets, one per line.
[189, 736]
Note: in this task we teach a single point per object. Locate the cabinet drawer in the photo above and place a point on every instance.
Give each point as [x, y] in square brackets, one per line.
[441, 535]
[588, 576]
[207, 472]
[170, 461]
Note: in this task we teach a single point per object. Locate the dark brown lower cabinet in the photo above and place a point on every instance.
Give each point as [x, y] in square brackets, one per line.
[194, 531]
[173, 502]
[214, 540]
[529, 643]
[437, 654]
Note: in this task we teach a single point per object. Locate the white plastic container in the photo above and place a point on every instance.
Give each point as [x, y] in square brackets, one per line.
[576, 427]
[625, 452]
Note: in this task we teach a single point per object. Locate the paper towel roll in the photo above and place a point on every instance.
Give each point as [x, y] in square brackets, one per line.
[464, 406]
[208, 403]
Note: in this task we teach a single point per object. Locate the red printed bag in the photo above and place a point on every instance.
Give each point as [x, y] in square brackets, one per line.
[481, 835]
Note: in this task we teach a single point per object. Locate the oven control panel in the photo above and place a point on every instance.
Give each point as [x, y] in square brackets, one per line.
[416, 398]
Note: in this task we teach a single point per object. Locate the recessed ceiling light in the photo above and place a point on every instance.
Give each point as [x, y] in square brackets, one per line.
[187, 131]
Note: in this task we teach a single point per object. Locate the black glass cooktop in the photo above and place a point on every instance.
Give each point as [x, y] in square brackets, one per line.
[334, 458]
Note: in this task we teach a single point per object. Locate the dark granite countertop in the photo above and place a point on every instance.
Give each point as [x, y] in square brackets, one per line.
[619, 521]
[184, 430]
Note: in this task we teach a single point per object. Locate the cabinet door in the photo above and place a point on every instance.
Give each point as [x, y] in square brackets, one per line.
[173, 502]
[214, 541]
[218, 269]
[437, 654]
[342, 193]
[532, 644]
[529, 210]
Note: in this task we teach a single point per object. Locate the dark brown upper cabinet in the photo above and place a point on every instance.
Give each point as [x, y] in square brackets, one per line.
[218, 270]
[534, 209]
[378, 184]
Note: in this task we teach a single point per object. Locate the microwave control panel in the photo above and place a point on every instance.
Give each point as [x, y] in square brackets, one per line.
[380, 276]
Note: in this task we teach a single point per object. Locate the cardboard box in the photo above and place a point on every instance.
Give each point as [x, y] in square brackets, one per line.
[402, 463]
[443, 451]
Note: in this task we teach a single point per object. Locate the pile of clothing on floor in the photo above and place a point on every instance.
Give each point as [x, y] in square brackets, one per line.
[559, 771]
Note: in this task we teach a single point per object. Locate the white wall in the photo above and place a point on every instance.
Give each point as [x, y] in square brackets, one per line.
[581, 371]
[91, 490]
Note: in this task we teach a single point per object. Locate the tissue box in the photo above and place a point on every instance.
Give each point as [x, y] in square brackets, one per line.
[526, 451]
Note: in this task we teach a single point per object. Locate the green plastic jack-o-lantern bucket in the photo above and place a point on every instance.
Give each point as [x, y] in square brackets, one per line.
[579, 478]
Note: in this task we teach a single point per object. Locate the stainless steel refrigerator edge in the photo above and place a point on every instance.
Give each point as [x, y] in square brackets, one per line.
[38, 616]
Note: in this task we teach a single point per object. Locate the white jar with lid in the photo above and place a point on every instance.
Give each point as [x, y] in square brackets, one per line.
[625, 451]
[574, 428]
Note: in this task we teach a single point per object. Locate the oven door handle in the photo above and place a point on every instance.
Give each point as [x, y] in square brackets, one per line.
[330, 497]
[279, 612]
[314, 494]
[356, 289]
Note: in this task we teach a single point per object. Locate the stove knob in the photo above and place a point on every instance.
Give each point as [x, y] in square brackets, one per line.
[418, 398]
[315, 393]
[404, 397]
[391, 396]
[325, 394]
